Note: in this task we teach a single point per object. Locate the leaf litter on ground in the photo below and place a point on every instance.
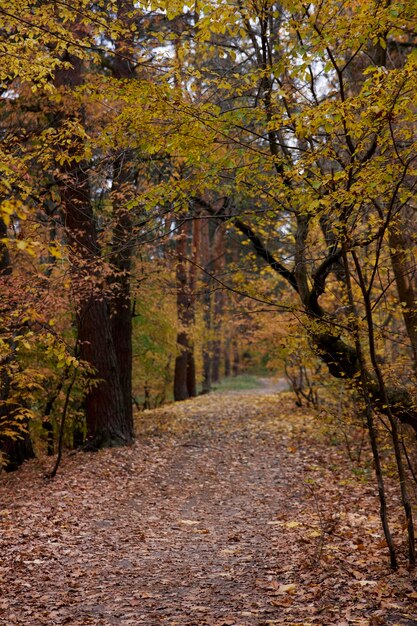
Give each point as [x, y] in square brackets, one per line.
[229, 510]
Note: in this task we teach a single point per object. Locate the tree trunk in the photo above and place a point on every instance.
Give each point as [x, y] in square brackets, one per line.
[207, 304]
[123, 189]
[180, 372]
[236, 359]
[184, 374]
[108, 410]
[181, 361]
[227, 359]
[192, 277]
[218, 268]
[107, 407]
[120, 298]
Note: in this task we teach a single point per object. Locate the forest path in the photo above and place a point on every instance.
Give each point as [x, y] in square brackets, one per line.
[227, 511]
[264, 386]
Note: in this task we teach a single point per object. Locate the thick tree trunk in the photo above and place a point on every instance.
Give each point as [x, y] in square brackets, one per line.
[108, 410]
[191, 375]
[105, 403]
[124, 183]
[107, 407]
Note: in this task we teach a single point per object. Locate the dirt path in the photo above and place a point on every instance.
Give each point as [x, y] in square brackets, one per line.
[265, 386]
[209, 519]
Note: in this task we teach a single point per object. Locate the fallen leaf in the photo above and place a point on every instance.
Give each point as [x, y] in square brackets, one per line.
[290, 588]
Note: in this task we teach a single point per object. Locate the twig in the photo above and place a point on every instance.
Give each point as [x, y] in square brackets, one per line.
[52, 474]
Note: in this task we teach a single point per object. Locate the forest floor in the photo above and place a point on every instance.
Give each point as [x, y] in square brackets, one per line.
[231, 509]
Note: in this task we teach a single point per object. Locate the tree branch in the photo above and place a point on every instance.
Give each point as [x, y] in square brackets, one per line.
[260, 248]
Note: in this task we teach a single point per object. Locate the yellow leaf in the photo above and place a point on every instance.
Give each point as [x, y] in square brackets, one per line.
[293, 524]
[290, 588]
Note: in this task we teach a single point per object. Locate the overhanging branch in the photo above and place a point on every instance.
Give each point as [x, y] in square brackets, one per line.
[260, 248]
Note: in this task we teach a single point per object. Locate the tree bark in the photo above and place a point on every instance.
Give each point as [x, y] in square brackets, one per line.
[108, 416]
[123, 189]
[192, 277]
[184, 373]
[120, 302]
[207, 304]
[236, 359]
[180, 372]
[108, 421]
[218, 268]
[227, 359]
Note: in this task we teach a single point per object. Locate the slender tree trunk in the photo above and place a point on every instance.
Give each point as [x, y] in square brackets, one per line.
[218, 268]
[234, 347]
[47, 424]
[367, 396]
[180, 372]
[236, 359]
[393, 420]
[120, 302]
[207, 304]
[227, 359]
[196, 252]
[184, 373]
